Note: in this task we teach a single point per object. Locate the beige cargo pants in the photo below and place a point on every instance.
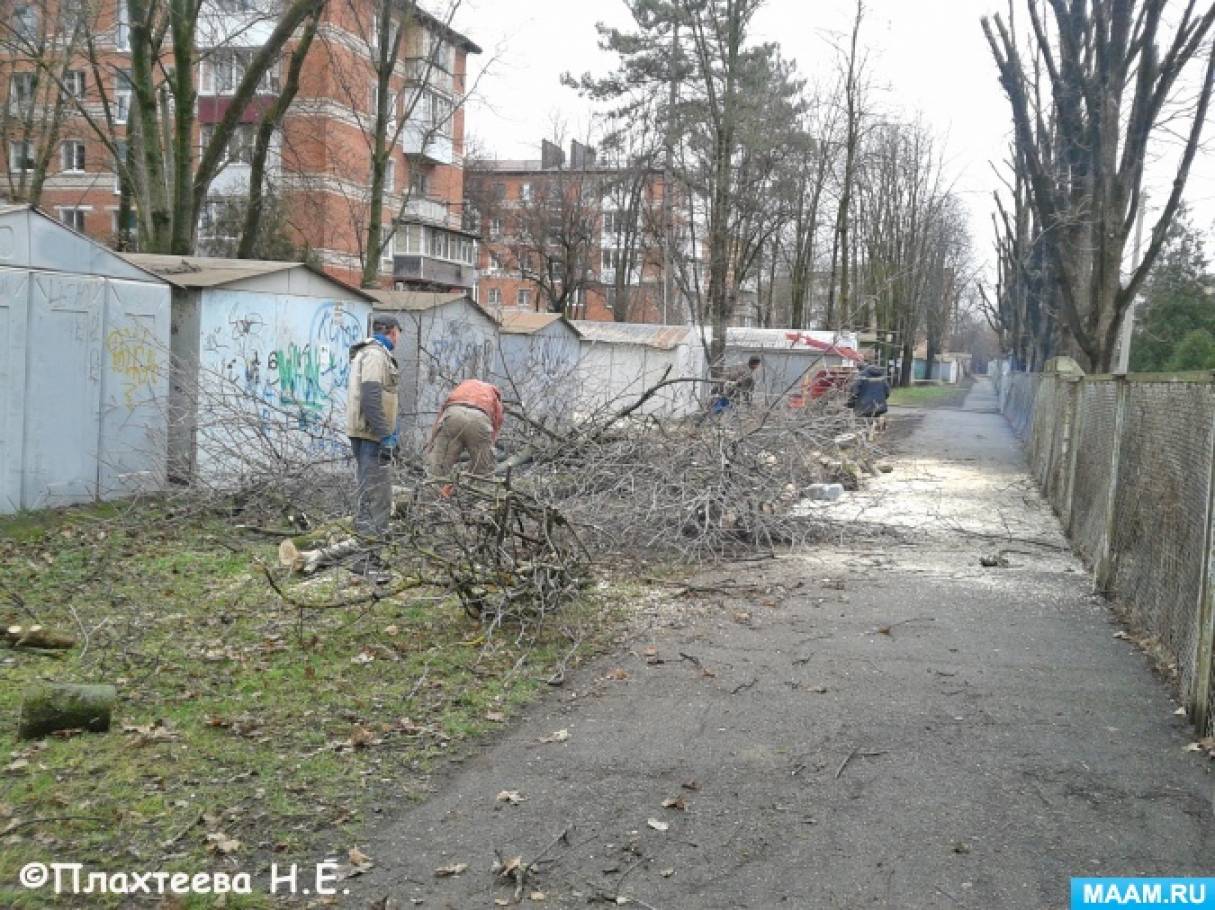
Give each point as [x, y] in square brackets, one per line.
[462, 429]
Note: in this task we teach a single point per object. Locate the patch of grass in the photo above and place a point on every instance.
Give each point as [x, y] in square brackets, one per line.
[931, 396]
[238, 719]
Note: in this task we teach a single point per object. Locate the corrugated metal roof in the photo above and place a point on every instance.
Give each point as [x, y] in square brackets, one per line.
[213, 271]
[514, 322]
[785, 339]
[662, 337]
[415, 301]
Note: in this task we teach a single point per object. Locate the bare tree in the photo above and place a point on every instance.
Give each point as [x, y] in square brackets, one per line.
[1113, 69]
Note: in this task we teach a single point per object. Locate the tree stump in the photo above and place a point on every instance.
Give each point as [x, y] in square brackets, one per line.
[65, 706]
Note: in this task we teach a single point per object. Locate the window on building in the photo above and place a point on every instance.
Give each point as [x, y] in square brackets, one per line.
[121, 157]
[413, 238]
[233, 6]
[223, 70]
[523, 299]
[390, 175]
[390, 110]
[21, 92]
[122, 96]
[73, 218]
[498, 191]
[438, 244]
[611, 224]
[388, 250]
[611, 259]
[73, 155]
[525, 192]
[75, 84]
[20, 156]
[25, 21]
[495, 297]
[495, 263]
[495, 228]
[122, 27]
[240, 143]
[419, 184]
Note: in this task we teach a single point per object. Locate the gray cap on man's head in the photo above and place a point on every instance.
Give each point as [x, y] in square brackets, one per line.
[384, 321]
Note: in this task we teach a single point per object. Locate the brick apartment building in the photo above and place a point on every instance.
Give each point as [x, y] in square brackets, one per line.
[319, 160]
[578, 227]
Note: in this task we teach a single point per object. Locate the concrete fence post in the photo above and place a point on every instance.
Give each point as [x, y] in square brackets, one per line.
[1198, 702]
[1106, 569]
[1075, 425]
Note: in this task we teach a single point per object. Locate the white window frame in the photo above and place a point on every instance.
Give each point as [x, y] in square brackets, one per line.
[77, 211]
[77, 84]
[25, 157]
[390, 174]
[388, 251]
[494, 297]
[122, 97]
[25, 26]
[495, 264]
[523, 298]
[122, 27]
[495, 228]
[72, 154]
[18, 98]
[525, 192]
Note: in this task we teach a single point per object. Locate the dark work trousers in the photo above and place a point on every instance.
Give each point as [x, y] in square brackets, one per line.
[373, 502]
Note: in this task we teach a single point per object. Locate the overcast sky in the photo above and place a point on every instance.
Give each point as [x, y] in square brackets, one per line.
[926, 57]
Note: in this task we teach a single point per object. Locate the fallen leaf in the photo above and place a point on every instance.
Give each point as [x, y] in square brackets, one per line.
[450, 869]
[391, 631]
[496, 717]
[363, 657]
[361, 738]
[692, 784]
[501, 902]
[617, 673]
[657, 825]
[559, 736]
[1180, 712]
[675, 802]
[742, 617]
[1123, 635]
[358, 857]
[1194, 747]
[218, 842]
[537, 896]
[511, 796]
[650, 651]
[509, 868]
[666, 873]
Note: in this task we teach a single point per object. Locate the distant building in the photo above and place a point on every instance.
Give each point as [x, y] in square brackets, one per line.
[579, 231]
[319, 160]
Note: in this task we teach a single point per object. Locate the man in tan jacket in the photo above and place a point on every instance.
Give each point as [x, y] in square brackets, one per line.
[469, 421]
[371, 424]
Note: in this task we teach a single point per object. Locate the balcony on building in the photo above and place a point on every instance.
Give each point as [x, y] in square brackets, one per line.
[432, 256]
[424, 141]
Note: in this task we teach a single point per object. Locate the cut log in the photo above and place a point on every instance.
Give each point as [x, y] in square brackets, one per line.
[65, 706]
[37, 637]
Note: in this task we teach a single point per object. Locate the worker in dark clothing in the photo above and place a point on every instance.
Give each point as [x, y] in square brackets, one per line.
[869, 391]
[737, 384]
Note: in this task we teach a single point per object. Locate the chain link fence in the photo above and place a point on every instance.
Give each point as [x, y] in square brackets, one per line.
[1127, 465]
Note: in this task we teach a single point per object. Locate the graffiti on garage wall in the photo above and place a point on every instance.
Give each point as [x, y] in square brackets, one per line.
[289, 362]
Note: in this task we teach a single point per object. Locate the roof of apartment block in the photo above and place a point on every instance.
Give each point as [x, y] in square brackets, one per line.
[514, 322]
[446, 31]
[662, 337]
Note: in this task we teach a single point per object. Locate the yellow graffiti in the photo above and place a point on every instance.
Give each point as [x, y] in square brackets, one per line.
[133, 356]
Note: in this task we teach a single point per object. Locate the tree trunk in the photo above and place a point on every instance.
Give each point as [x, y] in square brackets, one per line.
[64, 706]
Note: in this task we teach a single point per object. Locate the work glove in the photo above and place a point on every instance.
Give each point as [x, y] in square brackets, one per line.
[388, 447]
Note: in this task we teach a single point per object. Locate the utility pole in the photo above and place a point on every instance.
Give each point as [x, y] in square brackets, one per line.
[1128, 318]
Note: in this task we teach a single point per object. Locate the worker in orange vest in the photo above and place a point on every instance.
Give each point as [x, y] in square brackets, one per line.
[469, 421]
